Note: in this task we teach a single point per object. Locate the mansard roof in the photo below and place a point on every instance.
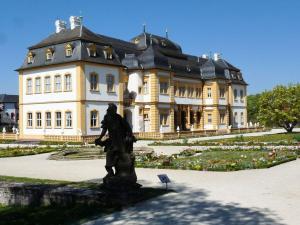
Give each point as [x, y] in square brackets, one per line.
[145, 51]
[4, 98]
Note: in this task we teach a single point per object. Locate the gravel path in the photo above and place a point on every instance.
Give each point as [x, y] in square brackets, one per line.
[265, 196]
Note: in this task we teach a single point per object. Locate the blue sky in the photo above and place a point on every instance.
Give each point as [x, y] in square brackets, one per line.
[262, 38]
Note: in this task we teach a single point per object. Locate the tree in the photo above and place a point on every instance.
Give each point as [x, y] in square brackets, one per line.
[280, 106]
[252, 107]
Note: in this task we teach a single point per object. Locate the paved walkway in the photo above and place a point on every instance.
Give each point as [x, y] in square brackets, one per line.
[250, 197]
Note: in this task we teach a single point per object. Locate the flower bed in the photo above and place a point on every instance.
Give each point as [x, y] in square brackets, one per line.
[272, 139]
[218, 159]
[13, 152]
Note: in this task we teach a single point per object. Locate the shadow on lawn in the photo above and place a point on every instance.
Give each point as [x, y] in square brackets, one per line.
[188, 206]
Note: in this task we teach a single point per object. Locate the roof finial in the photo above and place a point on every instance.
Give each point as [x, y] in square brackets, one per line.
[150, 39]
[167, 35]
[144, 27]
[81, 22]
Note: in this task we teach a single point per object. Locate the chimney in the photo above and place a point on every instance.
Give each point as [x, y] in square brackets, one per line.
[204, 56]
[75, 21]
[60, 25]
[217, 56]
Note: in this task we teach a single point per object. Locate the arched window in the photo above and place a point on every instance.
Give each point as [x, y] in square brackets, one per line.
[235, 95]
[49, 54]
[94, 81]
[108, 52]
[92, 50]
[110, 82]
[69, 50]
[30, 57]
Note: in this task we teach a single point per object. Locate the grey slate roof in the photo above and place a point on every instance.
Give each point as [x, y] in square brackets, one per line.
[4, 98]
[145, 51]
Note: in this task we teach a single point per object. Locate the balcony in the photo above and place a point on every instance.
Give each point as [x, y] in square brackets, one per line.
[222, 101]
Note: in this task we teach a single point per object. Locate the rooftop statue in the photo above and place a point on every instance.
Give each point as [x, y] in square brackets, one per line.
[119, 150]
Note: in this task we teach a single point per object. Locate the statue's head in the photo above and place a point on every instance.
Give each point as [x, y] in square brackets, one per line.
[112, 108]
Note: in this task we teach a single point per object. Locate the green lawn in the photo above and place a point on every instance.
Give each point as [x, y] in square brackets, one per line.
[218, 160]
[13, 152]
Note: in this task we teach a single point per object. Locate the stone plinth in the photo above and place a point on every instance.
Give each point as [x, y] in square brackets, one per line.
[24, 194]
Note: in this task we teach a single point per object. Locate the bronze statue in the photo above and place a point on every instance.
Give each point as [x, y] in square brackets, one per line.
[119, 150]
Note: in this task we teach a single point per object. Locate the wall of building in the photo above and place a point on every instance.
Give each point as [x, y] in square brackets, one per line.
[101, 94]
[53, 107]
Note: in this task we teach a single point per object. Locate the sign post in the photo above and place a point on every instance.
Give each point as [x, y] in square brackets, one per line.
[164, 179]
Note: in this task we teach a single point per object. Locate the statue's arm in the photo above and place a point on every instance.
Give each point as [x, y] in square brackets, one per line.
[103, 132]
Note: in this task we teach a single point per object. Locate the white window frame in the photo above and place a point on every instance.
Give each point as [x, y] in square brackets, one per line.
[58, 120]
[209, 94]
[29, 88]
[29, 120]
[38, 85]
[57, 84]
[38, 118]
[68, 119]
[48, 120]
[68, 82]
[47, 85]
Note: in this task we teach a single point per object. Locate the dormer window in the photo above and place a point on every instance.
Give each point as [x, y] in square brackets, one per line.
[108, 52]
[49, 54]
[163, 43]
[69, 50]
[239, 76]
[30, 57]
[92, 50]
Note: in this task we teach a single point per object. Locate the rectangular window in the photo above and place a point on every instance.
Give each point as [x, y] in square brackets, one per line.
[110, 81]
[47, 84]
[38, 85]
[242, 95]
[222, 93]
[222, 118]
[94, 119]
[29, 86]
[235, 95]
[69, 52]
[68, 82]
[164, 87]
[190, 92]
[57, 83]
[38, 120]
[242, 118]
[48, 119]
[68, 119]
[163, 119]
[209, 118]
[198, 92]
[182, 91]
[235, 118]
[175, 90]
[208, 92]
[145, 86]
[58, 119]
[29, 119]
[94, 82]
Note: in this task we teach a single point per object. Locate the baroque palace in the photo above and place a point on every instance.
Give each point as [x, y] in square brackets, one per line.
[67, 80]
